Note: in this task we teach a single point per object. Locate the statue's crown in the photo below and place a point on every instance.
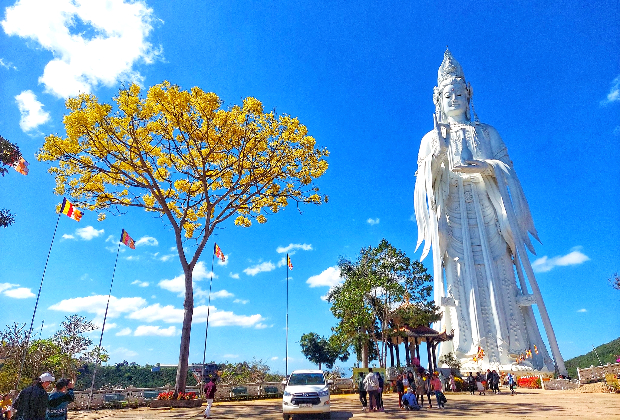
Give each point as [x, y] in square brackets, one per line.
[450, 69]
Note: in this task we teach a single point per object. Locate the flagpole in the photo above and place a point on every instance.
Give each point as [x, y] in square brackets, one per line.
[286, 352]
[204, 353]
[21, 365]
[105, 316]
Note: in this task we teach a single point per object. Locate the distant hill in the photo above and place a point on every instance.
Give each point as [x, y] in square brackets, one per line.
[607, 353]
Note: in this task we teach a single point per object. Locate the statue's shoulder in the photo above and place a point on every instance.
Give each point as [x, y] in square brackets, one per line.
[493, 135]
[426, 145]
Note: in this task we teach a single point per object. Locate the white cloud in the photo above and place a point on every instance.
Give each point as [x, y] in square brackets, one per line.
[5, 286]
[87, 233]
[274, 358]
[96, 304]
[93, 42]
[234, 275]
[329, 277]
[31, 110]
[582, 310]
[124, 353]
[124, 331]
[177, 284]
[147, 240]
[282, 262]
[68, 236]
[8, 66]
[230, 356]
[19, 293]
[261, 326]
[167, 257]
[171, 315]
[140, 283]
[372, 221]
[221, 294]
[293, 247]
[544, 264]
[241, 301]
[614, 92]
[260, 268]
[156, 312]
[153, 330]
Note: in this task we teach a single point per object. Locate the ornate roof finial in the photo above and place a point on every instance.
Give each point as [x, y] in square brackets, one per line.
[449, 69]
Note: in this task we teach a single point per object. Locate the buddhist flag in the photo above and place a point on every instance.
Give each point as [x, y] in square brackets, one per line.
[535, 349]
[127, 240]
[218, 253]
[21, 166]
[480, 354]
[288, 262]
[68, 209]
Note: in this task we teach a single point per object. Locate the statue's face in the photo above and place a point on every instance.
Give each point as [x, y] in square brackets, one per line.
[454, 100]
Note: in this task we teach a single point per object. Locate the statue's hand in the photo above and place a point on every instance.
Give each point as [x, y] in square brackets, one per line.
[472, 167]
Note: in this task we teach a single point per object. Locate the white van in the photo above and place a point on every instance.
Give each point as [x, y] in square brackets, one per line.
[306, 391]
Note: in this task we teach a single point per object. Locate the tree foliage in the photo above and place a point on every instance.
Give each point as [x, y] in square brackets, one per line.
[370, 303]
[9, 154]
[614, 280]
[255, 371]
[320, 350]
[62, 354]
[181, 155]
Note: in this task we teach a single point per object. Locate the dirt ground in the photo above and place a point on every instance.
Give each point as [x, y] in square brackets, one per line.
[527, 404]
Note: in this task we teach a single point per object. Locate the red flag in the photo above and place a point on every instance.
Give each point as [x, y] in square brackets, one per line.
[68, 209]
[127, 240]
[218, 253]
[288, 262]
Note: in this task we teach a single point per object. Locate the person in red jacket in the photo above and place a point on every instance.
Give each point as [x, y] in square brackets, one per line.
[210, 389]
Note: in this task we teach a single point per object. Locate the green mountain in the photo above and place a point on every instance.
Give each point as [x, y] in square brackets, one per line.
[607, 353]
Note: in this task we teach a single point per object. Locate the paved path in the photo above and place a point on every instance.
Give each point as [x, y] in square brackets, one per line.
[529, 404]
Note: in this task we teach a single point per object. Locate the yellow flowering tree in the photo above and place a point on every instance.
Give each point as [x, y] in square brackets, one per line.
[179, 153]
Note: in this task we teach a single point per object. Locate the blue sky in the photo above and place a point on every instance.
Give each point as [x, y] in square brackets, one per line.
[361, 79]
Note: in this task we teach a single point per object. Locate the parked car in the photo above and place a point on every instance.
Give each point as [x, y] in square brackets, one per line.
[306, 392]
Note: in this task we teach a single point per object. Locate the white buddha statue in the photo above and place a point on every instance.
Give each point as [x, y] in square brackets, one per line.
[471, 211]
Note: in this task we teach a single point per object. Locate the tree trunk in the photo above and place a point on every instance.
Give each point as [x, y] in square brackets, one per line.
[364, 349]
[391, 346]
[319, 365]
[397, 350]
[434, 356]
[188, 313]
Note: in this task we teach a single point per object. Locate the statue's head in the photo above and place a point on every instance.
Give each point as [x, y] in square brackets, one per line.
[451, 81]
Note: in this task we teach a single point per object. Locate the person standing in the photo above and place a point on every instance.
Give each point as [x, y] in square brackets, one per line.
[59, 400]
[452, 383]
[436, 386]
[31, 403]
[471, 384]
[511, 383]
[380, 392]
[400, 388]
[210, 389]
[362, 390]
[495, 382]
[372, 386]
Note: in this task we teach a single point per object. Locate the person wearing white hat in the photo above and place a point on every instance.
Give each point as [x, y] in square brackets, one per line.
[31, 403]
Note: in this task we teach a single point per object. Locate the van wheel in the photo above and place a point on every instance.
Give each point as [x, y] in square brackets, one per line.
[286, 416]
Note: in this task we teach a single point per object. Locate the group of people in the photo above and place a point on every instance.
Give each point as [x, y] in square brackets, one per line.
[34, 403]
[416, 385]
[371, 390]
[488, 381]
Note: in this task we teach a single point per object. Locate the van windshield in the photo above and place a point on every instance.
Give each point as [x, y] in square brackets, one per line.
[306, 379]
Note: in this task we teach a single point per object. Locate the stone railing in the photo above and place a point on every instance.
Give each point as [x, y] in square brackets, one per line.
[597, 373]
[134, 397]
[560, 384]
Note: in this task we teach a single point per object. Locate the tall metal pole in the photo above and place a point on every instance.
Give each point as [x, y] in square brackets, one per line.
[204, 353]
[36, 304]
[105, 316]
[286, 352]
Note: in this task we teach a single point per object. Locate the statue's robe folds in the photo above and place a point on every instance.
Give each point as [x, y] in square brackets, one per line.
[471, 223]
